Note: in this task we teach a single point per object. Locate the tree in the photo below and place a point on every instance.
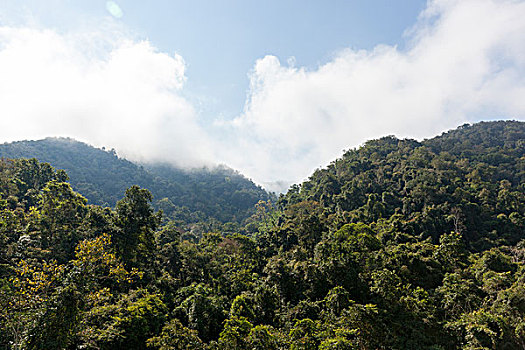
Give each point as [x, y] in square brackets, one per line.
[175, 336]
[136, 223]
[127, 324]
[235, 333]
[61, 214]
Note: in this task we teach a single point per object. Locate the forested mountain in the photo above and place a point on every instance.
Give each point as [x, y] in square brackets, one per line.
[189, 196]
[398, 244]
[470, 180]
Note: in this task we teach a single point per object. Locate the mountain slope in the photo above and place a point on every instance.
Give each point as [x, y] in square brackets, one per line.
[471, 179]
[102, 177]
[397, 245]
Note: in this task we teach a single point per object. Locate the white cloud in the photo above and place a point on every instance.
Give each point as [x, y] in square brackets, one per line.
[465, 61]
[99, 87]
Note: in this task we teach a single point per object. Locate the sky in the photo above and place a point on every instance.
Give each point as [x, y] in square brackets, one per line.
[274, 89]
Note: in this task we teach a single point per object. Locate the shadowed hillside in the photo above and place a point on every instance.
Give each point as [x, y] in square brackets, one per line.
[102, 177]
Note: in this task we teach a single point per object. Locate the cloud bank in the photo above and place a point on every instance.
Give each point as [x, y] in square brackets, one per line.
[99, 87]
[464, 61]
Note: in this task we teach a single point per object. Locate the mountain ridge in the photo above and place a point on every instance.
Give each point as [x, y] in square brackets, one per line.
[219, 193]
[398, 244]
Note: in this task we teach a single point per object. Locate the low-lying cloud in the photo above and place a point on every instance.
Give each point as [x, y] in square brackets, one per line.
[464, 61]
[102, 88]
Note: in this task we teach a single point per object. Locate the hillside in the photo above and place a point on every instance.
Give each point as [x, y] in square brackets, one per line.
[470, 180]
[399, 244]
[186, 195]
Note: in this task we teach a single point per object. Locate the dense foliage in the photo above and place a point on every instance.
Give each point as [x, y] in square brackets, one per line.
[189, 196]
[397, 245]
[470, 181]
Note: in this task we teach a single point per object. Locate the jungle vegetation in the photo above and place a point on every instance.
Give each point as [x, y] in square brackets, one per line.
[398, 244]
[192, 197]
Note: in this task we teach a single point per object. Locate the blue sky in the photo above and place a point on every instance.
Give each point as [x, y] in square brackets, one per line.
[274, 89]
[221, 40]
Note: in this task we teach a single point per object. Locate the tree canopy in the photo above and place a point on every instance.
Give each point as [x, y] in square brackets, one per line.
[398, 244]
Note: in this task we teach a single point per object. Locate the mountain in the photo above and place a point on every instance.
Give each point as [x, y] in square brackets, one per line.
[398, 244]
[195, 195]
[471, 179]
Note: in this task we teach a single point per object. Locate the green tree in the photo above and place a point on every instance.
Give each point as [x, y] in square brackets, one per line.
[235, 333]
[136, 223]
[175, 336]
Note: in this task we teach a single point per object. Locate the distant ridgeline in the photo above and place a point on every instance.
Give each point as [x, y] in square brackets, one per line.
[185, 195]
